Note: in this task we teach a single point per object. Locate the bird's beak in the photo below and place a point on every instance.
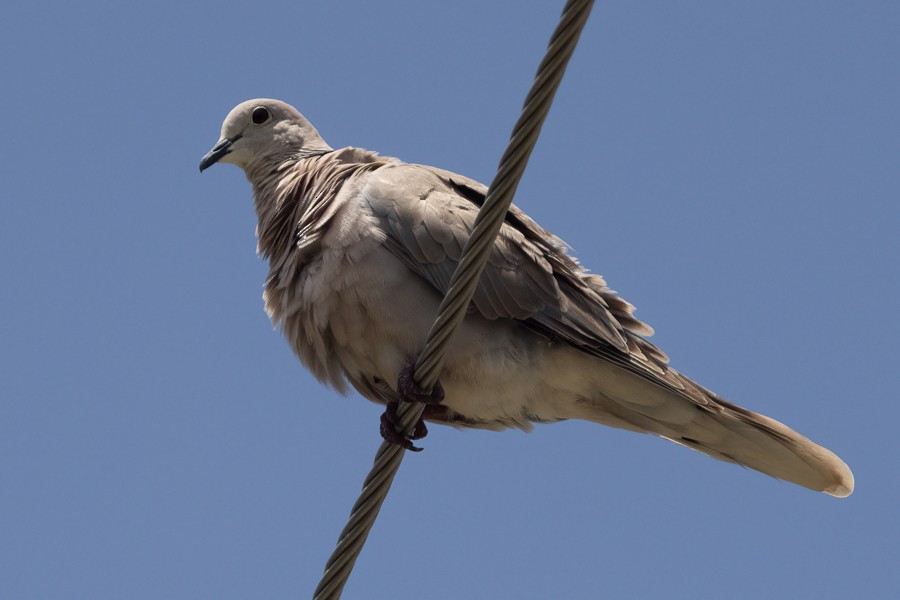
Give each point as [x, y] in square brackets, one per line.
[221, 148]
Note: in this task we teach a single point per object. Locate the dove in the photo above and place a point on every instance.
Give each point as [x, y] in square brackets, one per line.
[361, 248]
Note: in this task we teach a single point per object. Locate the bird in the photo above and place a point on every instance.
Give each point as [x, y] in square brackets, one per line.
[361, 248]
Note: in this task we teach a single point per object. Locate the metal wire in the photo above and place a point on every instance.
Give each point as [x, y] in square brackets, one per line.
[460, 292]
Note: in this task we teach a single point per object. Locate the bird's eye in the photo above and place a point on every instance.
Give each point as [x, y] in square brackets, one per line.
[260, 115]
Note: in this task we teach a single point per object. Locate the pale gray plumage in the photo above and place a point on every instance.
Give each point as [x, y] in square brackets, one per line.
[361, 248]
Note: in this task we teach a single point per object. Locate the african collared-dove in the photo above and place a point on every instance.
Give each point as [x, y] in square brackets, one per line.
[361, 249]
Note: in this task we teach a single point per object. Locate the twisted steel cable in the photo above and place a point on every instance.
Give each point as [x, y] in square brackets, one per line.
[459, 294]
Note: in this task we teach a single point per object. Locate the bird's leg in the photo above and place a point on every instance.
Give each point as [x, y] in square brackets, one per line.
[390, 429]
[409, 392]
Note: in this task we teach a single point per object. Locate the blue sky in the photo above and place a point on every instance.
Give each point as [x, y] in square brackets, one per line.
[730, 167]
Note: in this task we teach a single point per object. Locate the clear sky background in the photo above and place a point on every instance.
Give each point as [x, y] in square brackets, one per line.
[732, 168]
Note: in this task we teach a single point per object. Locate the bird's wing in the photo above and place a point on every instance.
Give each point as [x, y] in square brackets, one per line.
[428, 218]
[428, 214]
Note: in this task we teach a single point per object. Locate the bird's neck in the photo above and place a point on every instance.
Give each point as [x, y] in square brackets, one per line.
[296, 199]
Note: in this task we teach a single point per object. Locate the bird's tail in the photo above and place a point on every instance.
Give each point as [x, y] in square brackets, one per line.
[727, 432]
[747, 438]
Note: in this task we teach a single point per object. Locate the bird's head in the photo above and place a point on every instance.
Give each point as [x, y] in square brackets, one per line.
[264, 131]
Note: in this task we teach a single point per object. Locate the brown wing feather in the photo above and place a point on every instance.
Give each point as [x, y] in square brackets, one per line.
[429, 214]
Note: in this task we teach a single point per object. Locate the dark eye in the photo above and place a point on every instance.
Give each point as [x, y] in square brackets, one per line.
[260, 115]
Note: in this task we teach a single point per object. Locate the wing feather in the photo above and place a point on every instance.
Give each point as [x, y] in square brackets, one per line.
[429, 213]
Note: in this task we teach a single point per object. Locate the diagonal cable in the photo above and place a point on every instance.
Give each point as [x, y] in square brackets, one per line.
[460, 292]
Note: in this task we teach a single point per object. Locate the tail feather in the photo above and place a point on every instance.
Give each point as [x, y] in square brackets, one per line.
[740, 436]
[719, 429]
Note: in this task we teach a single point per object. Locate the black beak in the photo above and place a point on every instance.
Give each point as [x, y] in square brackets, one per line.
[222, 148]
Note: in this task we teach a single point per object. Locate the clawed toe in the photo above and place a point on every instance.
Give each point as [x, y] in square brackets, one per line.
[391, 432]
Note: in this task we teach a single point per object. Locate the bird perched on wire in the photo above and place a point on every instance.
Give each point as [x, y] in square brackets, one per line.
[361, 249]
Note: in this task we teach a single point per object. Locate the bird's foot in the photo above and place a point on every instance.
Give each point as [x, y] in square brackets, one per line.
[410, 392]
[391, 432]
